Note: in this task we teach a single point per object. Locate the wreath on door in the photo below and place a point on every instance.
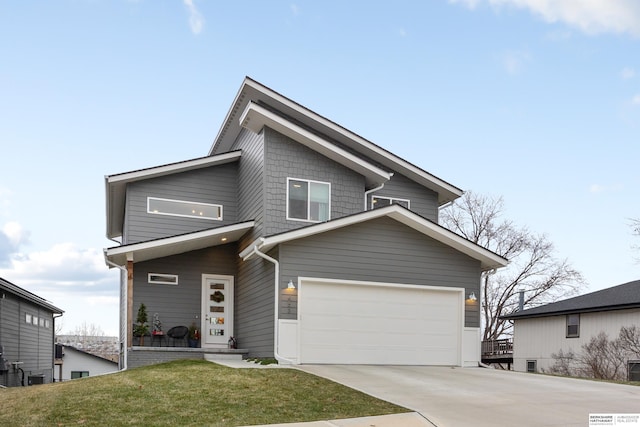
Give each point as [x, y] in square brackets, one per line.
[217, 296]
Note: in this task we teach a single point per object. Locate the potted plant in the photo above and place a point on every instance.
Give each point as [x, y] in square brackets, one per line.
[141, 328]
[194, 335]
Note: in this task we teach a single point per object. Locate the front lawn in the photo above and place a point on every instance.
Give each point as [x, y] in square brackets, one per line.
[187, 393]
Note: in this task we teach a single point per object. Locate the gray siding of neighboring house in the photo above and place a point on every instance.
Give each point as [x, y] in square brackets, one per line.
[381, 250]
[27, 343]
[178, 305]
[422, 201]
[216, 184]
[285, 158]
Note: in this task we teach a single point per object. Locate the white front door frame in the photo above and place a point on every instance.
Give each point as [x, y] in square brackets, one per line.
[214, 322]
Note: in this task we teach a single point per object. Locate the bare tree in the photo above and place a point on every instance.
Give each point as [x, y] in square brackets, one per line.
[533, 267]
[635, 230]
[87, 333]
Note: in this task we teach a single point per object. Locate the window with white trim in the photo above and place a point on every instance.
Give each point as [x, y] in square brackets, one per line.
[162, 279]
[308, 200]
[380, 201]
[573, 325]
[184, 208]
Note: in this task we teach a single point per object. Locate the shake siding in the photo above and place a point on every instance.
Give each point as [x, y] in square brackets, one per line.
[423, 201]
[216, 184]
[180, 304]
[285, 158]
[538, 338]
[250, 188]
[381, 250]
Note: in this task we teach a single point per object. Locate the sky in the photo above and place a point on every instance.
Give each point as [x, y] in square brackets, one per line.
[534, 101]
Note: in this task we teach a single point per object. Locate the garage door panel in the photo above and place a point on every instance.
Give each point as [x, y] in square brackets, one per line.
[349, 323]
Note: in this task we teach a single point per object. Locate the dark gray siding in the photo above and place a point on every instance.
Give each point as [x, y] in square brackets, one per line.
[423, 201]
[285, 158]
[381, 250]
[250, 179]
[216, 184]
[180, 304]
[27, 343]
[255, 306]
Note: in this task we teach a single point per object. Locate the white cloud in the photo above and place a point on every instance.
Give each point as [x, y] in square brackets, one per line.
[196, 20]
[16, 234]
[627, 73]
[514, 61]
[636, 100]
[590, 16]
[599, 188]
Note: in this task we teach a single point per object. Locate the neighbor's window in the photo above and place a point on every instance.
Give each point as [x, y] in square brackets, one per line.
[34, 320]
[79, 374]
[27, 318]
[184, 208]
[532, 366]
[380, 201]
[163, 279]
[308, 200]
[573, 325]
[634, 370]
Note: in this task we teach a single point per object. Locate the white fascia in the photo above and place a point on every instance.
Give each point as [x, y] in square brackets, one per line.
[255, 117]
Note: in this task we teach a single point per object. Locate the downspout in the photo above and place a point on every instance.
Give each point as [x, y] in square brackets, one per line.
[366, 194]
[53, 370]
[124, 349]
[276, 338]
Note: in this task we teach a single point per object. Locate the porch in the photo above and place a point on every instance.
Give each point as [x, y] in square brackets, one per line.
[498, 353]
[143, 356]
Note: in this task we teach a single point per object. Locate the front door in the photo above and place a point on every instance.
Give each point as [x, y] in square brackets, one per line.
[217, 310]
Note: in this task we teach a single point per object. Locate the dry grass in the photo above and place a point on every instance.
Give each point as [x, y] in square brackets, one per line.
[187, 393]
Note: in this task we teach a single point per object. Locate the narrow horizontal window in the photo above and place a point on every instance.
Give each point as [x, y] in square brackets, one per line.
[184, 208]
[79, 374]
[380, 201]
[163, 279]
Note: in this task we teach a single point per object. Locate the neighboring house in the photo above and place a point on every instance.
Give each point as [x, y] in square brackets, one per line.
[302, 240]
[26, 336]
[77, 363]
[569, 324]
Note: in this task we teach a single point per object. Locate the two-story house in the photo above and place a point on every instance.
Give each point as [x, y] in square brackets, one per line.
[27, 328]
[302, 240]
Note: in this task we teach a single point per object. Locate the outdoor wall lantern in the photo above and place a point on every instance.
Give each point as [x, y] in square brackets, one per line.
[472, 297]
[291, 285]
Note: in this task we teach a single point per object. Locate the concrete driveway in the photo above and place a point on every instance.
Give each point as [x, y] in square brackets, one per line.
[452, 397]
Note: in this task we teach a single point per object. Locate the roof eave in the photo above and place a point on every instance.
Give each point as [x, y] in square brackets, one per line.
[251, 90]
[488, 260]
[174, 245]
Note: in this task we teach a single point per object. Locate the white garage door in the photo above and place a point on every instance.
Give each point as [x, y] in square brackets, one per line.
[349, 323]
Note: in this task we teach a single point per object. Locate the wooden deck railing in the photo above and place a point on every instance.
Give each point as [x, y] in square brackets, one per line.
[497, 347]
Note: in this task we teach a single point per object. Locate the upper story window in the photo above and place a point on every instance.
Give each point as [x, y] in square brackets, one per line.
[573, 325]
[184, 208]
[380, 201]
[308, 200]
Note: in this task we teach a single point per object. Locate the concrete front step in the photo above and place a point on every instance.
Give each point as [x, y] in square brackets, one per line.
[213, 357]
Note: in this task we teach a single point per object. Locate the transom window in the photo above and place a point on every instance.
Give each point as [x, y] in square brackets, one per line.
[380, 201]
[184, 208]
[573, 325]
[308, 200]
[162, 279]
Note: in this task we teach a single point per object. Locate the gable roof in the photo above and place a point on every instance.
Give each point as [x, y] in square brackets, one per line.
[7, 286]
[116, 184]
[174, 245]
[86, 353]
[618, 297]
[488, 260]
[253, 92]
